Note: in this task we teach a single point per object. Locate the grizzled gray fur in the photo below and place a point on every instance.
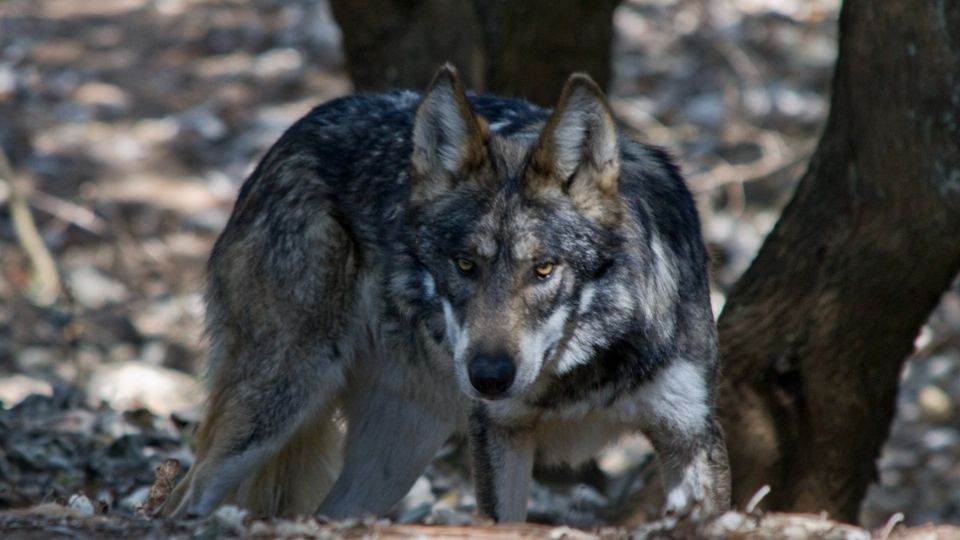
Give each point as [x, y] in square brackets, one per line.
[403, 267]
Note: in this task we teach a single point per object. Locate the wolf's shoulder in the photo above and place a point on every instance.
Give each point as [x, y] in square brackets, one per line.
[651, 171]
[660, 199]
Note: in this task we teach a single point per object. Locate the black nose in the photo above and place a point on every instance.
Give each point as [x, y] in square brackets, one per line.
[491, 374]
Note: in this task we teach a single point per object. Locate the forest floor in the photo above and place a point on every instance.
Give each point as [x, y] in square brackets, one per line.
[132, 123]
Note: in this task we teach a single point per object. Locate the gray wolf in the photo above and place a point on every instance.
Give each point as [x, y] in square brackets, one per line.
[414, 266]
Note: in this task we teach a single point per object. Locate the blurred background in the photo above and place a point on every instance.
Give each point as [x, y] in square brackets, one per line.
[130, 125]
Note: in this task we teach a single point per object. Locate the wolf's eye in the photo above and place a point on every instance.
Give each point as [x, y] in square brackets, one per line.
[544, 270]
[465, 265]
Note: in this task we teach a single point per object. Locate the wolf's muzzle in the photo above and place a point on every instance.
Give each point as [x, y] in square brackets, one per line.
[491, 374]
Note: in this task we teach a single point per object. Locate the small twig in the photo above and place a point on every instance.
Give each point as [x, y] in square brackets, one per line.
[745, 174]
[643, 122]
[45, 277]
[776, 157]
[894, 520]
[757, 497]
[69, 212]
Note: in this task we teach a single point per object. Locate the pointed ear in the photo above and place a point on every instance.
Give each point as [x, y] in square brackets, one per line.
[447, 136]
[578, 146]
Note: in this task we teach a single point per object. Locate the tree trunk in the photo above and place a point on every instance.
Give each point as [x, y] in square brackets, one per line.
[522, 49]
[814, 335]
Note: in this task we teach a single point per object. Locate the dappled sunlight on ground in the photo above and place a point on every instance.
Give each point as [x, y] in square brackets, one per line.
[134, 122]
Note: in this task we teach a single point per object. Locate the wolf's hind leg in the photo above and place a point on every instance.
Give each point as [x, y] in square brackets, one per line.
[294, 480]
[390, 440]
[250, 423]
[280, 307]
[679, 420]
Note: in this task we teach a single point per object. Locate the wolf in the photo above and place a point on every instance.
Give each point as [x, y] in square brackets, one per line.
[417, 266]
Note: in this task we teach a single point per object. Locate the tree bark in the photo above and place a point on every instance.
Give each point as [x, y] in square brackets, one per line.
[521, 49]
[813, 337]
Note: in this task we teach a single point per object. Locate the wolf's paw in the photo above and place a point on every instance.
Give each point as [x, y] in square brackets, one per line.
[686, 503]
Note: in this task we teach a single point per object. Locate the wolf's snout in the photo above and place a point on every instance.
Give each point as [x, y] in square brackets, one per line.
[492, 374]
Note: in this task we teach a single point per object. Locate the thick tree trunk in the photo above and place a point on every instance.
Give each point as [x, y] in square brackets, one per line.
[814, 335]
[522, 49]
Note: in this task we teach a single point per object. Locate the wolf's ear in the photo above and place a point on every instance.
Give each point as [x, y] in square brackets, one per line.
[578, 146]
[447, 136]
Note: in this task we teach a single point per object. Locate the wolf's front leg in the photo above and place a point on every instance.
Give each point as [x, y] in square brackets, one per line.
[679, 420]
[391, 439]
[502, 467]
[696, 475]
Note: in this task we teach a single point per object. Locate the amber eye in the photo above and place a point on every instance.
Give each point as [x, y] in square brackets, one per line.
[544, 270]
[465, 265]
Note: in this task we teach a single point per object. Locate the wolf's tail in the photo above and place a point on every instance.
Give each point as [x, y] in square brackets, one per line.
[294, 480]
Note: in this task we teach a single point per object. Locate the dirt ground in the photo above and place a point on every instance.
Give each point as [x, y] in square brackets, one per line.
[132, 123]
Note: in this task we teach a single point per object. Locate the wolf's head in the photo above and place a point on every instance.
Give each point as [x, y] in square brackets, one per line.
[514, 231]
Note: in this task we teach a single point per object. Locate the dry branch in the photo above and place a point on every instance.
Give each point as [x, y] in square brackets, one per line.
[45, 280]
